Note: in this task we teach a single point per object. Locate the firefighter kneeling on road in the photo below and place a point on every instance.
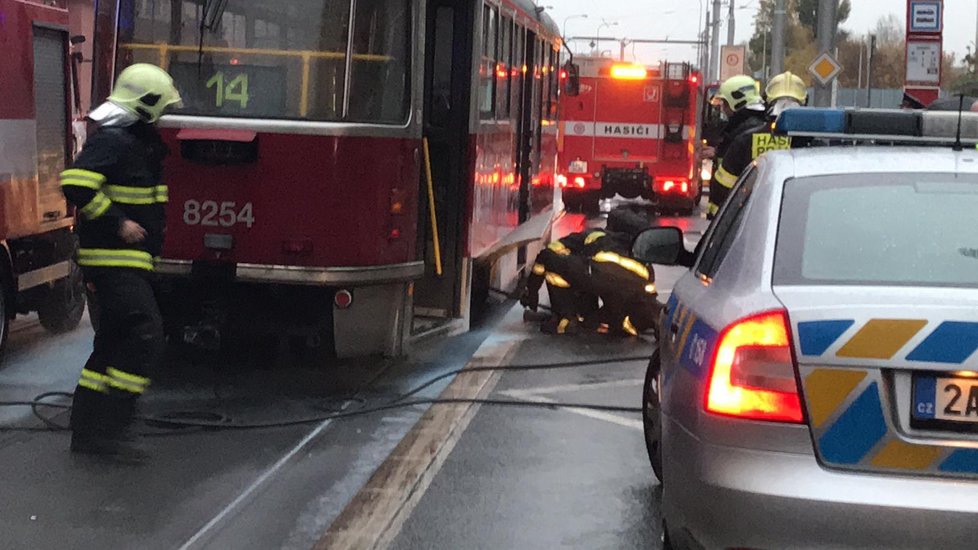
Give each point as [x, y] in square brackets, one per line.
[116, 185]
[565, 265]
[743, 105]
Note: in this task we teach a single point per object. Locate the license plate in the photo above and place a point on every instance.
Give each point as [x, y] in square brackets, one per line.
[945, 399]
[578, 167]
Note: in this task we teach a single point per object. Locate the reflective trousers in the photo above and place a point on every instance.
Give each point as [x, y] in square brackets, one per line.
[628, 300]
[128, 348]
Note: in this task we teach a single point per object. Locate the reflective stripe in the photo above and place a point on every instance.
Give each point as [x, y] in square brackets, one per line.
[725, 178]
[629, 327]
[631, 265]
[593, 237]
[557, 281]
[559, 248]
[562, 326]
[96, 207]
[137, 195]
[127, 377]
[539, 269]
[713, 209]
[97, 257]
[127, 382]
[93, 381]
[82, 178]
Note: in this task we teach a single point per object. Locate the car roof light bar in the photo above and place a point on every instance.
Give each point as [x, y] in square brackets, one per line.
[890, 125]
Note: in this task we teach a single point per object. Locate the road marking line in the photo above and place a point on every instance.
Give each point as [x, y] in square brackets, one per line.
[232, 508]
[596, 415]
[373, 519]
[519, 393]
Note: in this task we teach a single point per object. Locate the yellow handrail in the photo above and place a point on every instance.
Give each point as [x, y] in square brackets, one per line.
[431, 207]
[306, 55]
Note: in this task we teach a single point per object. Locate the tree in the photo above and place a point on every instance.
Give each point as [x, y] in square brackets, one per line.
[807, 11]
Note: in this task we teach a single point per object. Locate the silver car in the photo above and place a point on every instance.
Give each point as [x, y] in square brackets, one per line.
[816, 385]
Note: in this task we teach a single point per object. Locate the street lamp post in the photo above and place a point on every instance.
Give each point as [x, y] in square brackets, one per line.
[598, 34]
[568, 18]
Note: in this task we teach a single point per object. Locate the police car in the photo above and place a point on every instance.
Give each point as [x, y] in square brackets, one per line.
[816, 384]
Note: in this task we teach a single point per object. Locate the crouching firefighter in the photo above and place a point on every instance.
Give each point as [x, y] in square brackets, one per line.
[116, 186]
[565, 266]
[625, 287]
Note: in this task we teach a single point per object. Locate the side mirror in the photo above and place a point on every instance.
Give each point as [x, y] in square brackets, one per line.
[659, 245]
[76, 40]
[572, 80]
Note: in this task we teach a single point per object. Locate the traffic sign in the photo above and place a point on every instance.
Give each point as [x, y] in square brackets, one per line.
[926, 16]
[733, 61]
[825, 68]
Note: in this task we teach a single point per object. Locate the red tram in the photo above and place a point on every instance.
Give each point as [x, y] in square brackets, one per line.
[299, 202]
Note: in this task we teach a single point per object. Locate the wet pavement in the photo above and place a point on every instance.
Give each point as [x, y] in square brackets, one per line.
[516, 478]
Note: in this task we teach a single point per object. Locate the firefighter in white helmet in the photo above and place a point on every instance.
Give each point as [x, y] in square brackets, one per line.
[117, 187]
[785, 91]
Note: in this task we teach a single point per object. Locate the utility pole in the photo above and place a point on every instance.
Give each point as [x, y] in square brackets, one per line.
[715, 43]
[777, 37]
[705, 66]
[869, 71]
[731, 24]
[826, 43]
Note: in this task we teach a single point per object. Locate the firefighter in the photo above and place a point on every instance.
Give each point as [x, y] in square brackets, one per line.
[116, 186]
[743, 105]
[564, 265]
[785, 91]
[625, 287]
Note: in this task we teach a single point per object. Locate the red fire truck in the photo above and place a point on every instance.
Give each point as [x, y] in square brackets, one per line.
[300, 204]
[632, 131]
[37, 244]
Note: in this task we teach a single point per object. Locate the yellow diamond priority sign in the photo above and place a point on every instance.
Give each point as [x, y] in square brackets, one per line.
[825, 68]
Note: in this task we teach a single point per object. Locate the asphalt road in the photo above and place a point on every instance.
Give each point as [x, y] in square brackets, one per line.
[514, 478]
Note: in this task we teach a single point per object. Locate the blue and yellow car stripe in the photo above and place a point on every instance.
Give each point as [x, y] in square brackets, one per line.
[848, 408]
[853, 430]
[950, 342]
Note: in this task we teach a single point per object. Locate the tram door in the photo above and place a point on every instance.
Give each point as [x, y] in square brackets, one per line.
[529, 129]
[448, 62]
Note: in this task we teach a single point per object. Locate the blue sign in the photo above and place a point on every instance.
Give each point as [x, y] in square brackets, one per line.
[926, 16]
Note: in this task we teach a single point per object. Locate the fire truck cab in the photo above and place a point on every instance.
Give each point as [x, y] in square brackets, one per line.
[631, 131]
[37, 244]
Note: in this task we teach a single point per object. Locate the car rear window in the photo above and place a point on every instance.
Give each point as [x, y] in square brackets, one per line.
[879, 229]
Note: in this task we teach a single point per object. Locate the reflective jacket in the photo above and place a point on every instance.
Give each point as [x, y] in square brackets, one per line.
[118, 176]
[737, 153]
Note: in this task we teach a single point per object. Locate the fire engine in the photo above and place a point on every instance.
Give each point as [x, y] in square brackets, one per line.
[344, 168]
[37, 243]
[631, 130]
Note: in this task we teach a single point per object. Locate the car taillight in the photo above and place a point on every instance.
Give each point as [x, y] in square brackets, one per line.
[580, 182]
[561, 180]
[753, 373]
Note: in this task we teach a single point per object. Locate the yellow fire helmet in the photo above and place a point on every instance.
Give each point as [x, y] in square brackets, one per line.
[145, 90]
[785, 85]
[738, 92]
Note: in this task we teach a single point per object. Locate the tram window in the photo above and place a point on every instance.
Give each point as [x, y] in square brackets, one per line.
[487, 71]
[285, 59]
[503, 68]
[380, 89]
[519, 60]
[554, 81]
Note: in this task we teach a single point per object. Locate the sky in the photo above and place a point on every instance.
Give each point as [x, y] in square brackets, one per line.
[680, 20]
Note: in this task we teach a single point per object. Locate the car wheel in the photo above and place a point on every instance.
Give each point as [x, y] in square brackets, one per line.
[63, 307]
[652, 415]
